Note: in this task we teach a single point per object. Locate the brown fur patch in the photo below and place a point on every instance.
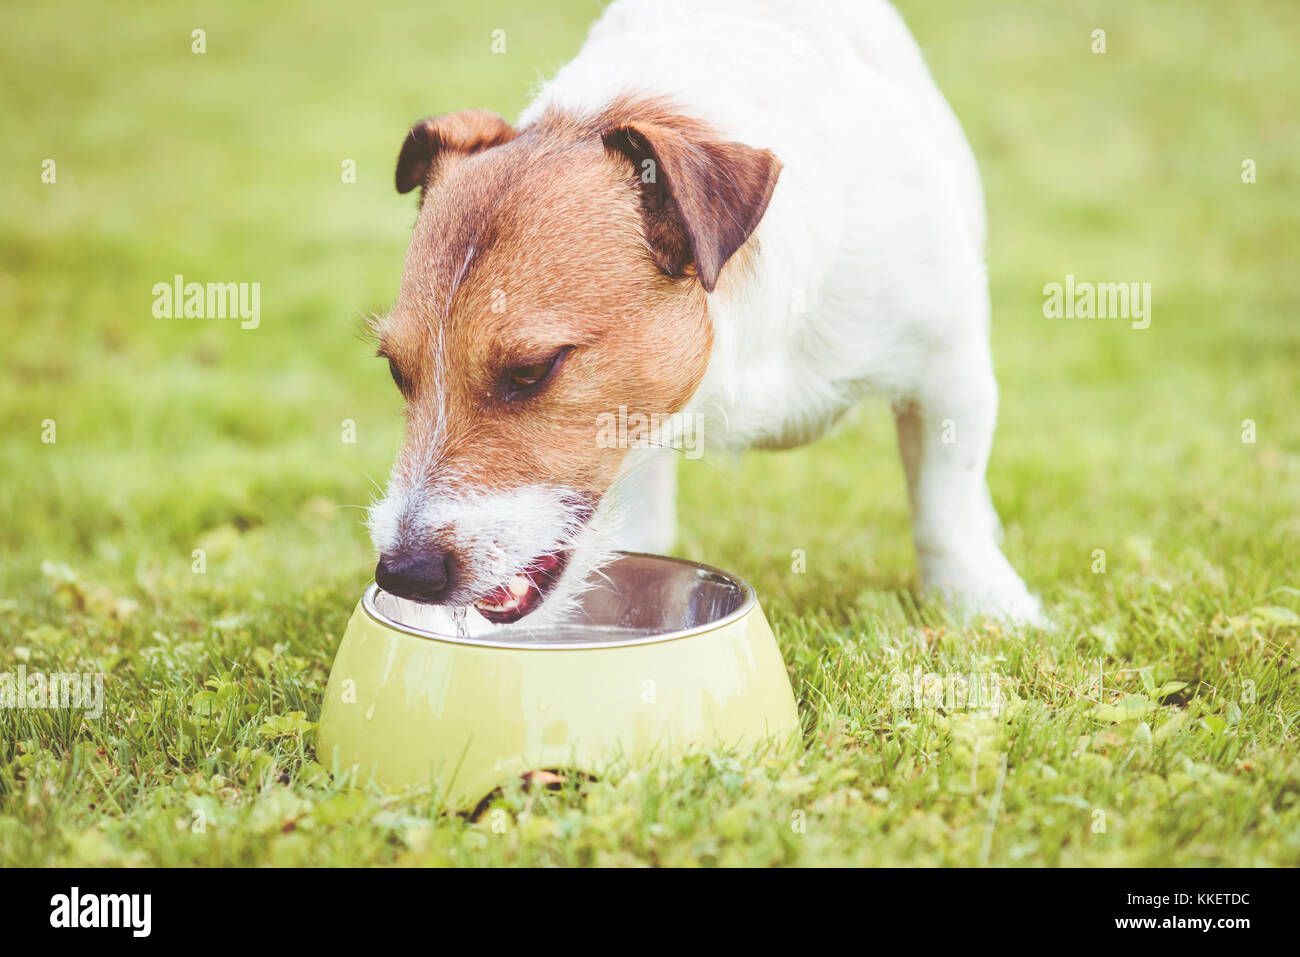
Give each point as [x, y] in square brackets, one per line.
[465, 132]
[544, 239]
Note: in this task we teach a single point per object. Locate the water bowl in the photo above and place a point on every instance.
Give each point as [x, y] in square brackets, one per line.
[662, 656]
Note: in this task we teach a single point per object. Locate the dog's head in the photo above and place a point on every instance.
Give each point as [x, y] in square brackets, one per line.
[556, 274]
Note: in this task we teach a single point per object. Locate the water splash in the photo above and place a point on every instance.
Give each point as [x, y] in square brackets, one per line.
[458, 614]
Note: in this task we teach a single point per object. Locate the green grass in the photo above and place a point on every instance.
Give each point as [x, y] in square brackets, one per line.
[176, 435]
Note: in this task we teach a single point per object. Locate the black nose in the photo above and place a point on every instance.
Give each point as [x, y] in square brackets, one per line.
[423, 577]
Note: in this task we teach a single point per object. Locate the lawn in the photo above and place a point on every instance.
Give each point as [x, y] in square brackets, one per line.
[179, 507]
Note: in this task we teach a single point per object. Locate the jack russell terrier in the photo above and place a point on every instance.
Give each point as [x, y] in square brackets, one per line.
[743, 215]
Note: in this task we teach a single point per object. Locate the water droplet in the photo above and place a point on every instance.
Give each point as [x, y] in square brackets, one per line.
[458, 616]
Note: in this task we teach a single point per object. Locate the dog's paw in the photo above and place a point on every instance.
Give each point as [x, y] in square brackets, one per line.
[990, 590]
[1020, 608]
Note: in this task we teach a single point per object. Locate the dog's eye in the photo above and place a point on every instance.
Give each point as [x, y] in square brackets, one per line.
[397, 376]
[524, 377]
[525, 380]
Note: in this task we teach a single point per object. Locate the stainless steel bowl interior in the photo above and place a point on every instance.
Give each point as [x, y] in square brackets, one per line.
[634, 599]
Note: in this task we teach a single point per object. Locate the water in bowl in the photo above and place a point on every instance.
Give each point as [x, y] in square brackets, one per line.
[633, 598]
[465, 624]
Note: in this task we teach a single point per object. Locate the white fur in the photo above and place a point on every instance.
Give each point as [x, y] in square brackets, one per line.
[868, 272]
[494, 535]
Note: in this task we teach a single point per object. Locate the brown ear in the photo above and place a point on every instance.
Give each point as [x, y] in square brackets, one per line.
[701, 198]
[466, 132]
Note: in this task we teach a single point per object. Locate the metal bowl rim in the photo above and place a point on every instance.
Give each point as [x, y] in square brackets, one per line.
[748, 602]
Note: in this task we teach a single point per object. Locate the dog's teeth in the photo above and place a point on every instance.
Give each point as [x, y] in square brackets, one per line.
[516, 590]
[502, 607]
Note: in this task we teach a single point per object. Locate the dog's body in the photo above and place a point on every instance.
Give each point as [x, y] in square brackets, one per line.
[821, 192]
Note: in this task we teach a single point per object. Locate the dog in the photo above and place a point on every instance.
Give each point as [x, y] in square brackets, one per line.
[741, 215]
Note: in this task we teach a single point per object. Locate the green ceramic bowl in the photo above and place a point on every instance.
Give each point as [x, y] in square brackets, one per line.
[663, 656]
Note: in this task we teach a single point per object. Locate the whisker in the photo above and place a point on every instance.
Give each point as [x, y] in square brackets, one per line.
[378, 488]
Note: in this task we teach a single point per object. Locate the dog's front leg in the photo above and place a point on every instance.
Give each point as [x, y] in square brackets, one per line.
[644, 502]
[944, 437]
